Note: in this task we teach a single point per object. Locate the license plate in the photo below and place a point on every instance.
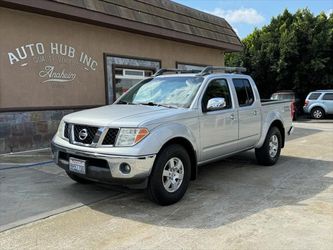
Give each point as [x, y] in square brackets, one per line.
[77, 165]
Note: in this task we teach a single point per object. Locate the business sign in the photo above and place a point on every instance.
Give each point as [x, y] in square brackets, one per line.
[59, 63]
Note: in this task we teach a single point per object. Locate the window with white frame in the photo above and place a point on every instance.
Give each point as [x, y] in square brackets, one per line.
[125, 78]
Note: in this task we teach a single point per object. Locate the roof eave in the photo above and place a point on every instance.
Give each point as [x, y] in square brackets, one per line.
[69, 12]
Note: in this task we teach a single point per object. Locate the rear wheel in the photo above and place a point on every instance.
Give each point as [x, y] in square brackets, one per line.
[170, 177]
[269, 153]
[77, 178]
[317, 113]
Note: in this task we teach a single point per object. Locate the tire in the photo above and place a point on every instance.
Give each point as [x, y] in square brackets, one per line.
[317, 113]
[270, 151]
[164, 188]
[78, 179]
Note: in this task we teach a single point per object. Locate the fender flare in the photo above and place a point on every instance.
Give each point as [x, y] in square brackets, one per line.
[274, 118]
[171, 133]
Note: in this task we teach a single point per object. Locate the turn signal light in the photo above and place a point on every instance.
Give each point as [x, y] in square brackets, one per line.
[143, 132]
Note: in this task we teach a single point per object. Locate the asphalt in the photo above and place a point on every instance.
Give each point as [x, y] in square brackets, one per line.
[234, 204]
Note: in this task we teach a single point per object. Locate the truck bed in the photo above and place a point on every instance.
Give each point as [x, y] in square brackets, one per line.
[265, 102]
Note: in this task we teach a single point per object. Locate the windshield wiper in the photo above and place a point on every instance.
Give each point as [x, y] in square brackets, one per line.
[124, 102]
[157, 104]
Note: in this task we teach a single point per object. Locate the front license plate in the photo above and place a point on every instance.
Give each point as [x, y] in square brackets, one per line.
[77, 165]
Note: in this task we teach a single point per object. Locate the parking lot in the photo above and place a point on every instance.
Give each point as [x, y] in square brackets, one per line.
[234, 204]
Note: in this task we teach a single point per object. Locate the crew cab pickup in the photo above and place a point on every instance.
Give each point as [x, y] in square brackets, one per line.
[157, 134]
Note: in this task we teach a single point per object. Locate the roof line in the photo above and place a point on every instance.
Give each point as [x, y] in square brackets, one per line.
[130, 20]
[167, 18]
[182, 14]
[228, 26]
[76, 13]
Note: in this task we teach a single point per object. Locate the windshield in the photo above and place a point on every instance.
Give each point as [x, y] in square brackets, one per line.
[164, 91]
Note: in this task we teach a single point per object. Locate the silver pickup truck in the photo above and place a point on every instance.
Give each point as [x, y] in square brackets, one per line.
[157, 134]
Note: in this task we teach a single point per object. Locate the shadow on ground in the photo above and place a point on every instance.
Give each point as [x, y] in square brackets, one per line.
[229, 191]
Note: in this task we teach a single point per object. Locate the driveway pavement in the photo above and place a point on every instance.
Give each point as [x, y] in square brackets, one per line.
[32, 187]
[234, 204]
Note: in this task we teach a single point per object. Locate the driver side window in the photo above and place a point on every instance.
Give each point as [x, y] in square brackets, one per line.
[216, 89]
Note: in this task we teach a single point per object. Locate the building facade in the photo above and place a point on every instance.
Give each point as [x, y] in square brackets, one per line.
[60, 56]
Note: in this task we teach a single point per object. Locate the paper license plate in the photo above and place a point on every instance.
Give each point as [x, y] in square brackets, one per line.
[77, 165]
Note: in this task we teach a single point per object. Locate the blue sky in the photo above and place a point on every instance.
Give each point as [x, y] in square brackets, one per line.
[244, 16]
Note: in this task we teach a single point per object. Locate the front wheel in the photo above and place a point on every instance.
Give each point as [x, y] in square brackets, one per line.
[317, 113]
[170, 175]
[269, 153]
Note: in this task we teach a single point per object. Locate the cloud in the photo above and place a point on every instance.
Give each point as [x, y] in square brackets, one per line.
[242, 15]
[329, 12]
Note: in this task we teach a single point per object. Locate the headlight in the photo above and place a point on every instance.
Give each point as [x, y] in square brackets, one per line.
[61, 129]
[130, 136]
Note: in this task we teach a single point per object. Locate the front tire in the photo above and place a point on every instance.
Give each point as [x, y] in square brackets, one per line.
[270, 151]
[317, 113]
[170, 176]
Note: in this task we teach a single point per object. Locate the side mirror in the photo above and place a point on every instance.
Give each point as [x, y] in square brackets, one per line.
[216, 104]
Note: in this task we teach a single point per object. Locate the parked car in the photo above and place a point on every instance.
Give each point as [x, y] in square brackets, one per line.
[157, 134]
[293, 97]
[319, 103]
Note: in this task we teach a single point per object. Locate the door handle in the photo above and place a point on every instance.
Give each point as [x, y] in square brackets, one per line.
[232, 116]
[255, 112]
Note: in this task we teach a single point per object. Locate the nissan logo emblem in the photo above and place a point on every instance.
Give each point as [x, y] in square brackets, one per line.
[83, 134]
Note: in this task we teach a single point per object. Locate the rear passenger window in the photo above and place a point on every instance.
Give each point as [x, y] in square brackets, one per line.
[314, 96]
[328, 96]
[244, 92]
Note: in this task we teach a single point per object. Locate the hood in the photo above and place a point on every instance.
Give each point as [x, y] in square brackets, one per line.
[118, 115]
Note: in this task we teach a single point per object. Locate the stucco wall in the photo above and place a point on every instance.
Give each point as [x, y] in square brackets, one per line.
[28, 82]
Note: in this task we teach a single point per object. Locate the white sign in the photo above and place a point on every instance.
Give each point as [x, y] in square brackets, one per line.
[49, 56]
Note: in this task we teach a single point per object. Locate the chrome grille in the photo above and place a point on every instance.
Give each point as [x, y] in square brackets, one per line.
[66, 132]
[90, 132]
[110, 137]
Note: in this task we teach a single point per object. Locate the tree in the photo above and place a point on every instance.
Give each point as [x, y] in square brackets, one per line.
[293, 52]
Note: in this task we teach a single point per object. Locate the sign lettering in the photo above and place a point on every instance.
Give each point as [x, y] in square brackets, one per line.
[49, 55]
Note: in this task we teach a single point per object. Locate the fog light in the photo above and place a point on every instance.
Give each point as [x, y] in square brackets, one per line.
[125, 168]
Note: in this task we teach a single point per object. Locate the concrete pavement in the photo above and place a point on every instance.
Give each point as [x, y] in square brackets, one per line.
[235, 204]
[37, 188]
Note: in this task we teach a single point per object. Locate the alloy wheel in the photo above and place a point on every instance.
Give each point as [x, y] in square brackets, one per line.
[173, 174]
[273, 146]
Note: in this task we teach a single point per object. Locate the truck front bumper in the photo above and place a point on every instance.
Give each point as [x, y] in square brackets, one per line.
[106, 168]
